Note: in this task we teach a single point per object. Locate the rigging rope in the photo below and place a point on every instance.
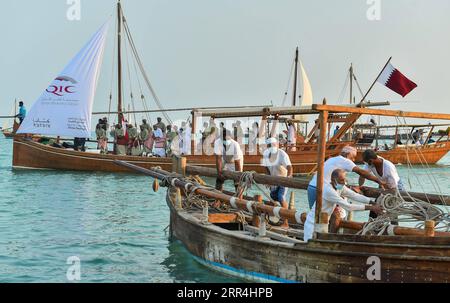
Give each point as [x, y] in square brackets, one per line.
[131, 85]
[289, 84]
[143, 72]
[344, 89]
[398, 210]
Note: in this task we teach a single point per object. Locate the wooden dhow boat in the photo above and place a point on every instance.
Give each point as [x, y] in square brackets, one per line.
[69, 114]
[234, 238]
[7, 130]
[404, 149]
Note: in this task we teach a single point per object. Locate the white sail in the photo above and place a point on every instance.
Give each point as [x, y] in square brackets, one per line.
[307, 96]
[65, 107]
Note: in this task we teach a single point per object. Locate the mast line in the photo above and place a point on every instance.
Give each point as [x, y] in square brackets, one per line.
[294, 97]
[119, 62]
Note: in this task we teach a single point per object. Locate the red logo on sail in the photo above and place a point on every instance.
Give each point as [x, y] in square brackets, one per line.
[63, 89]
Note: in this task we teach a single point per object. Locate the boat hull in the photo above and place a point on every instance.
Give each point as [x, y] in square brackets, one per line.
[330, 258]
[32, 155]
[429, 154]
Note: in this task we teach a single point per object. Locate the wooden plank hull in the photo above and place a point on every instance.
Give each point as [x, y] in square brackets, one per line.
[430, 154]
[8, 134]
[32, 155]
[330, 258]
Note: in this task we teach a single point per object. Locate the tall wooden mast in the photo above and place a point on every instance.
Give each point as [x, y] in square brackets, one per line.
[119, 62]
[351, 84]
[294, 97]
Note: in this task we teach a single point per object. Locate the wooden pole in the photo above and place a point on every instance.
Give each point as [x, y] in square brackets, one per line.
[256, 218]
[119, 62]
[294, 97]
[379, 112]
[432, 198]
[258, 178]
[179, 165]
[374, 82]
[351, 83]
[320, 162]
[429, 228]
[292, 201]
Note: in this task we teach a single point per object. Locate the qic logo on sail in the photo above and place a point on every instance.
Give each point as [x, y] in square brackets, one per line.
[62, 89]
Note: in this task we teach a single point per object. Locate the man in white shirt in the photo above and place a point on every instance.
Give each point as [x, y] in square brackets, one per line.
[292, 136]
[278, 164]
[382, 169]
[229, 157]
[335, 194]
[346, 162]
[186, 139]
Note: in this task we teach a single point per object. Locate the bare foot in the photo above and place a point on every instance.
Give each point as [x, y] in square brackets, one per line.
[285, 226]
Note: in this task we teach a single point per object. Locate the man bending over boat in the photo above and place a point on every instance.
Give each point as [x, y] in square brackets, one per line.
[229, 157]
[278, 164]
[345, 162]
[382, 169]
[336, 193]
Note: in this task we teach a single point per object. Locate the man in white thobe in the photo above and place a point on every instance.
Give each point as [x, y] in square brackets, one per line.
[336, 194]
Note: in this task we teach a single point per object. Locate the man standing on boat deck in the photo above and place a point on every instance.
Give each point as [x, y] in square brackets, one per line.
[171, 135]
[143, 141]
[239, 133]
[133, 143]
[186, 139]
[22, 112]
[119, 138]
[161, 125]
[102, 138]
[292, 136]
[278, 164]
[229, 157]
[345, 162]
[381, 169]
[160, 142]
[336, 193]
[146, 125]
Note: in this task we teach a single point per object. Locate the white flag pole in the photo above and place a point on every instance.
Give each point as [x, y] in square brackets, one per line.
[373, 84]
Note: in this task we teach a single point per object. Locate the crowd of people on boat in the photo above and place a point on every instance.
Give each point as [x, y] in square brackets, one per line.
[161, 140]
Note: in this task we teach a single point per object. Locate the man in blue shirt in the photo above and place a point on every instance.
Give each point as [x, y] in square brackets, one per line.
[22, 112]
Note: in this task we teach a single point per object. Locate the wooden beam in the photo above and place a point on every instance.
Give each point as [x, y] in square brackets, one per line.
[272, 111]
[380, 112]
[432, 198]
[258, 178]
[320, 162]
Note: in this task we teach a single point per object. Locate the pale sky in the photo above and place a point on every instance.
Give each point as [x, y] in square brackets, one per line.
[232, 53]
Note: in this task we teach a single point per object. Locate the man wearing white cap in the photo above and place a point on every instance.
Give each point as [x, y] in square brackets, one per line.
[278, 164]
[345, 162]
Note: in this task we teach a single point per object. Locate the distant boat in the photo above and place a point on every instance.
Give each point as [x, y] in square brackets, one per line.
[404, 149]
[8, 130]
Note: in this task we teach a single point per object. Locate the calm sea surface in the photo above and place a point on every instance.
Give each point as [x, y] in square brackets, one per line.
[114, 224]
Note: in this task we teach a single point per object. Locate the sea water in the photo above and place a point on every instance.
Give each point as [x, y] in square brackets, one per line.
[114, 224]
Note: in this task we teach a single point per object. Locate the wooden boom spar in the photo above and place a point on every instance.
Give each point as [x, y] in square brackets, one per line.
[253, 206]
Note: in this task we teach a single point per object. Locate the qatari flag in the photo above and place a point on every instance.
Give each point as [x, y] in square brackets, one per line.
[396, 81]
